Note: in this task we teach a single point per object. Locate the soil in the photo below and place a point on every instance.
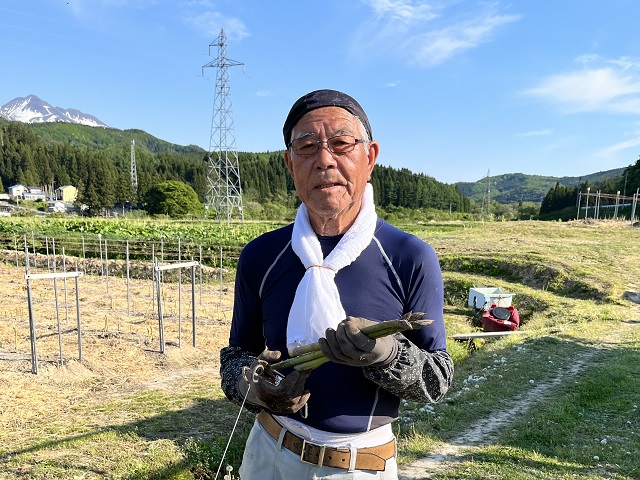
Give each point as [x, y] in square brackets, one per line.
[118, 351]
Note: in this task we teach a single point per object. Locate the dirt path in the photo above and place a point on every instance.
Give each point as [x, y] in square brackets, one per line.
[486, 430]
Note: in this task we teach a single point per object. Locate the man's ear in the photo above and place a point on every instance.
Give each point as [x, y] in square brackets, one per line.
[287, 162]
[372, 153]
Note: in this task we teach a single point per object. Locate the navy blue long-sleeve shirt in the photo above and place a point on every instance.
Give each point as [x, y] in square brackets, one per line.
[397, 273]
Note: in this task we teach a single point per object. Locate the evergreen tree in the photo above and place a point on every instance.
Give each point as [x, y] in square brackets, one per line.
[97, 162]
[630, 179]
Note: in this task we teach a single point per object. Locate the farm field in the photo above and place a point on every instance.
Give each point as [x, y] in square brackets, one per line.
[128, 411]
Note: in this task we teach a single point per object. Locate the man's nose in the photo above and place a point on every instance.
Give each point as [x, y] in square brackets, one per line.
[325, 157]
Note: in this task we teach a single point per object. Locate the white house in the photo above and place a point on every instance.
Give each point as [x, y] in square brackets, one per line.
[33, 193]
[56, 206]
[16, 191]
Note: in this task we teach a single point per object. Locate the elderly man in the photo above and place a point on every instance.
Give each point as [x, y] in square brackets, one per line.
[337, 269]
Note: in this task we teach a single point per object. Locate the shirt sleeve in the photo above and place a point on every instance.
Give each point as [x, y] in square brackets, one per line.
[232, 360]
[414, 374]
[244, 344]
[422, 370]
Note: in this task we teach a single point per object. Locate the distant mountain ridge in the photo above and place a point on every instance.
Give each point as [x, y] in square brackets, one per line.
[31, 109]
[515, 187]
[62, 125]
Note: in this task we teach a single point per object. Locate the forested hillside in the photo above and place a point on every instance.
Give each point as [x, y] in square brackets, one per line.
[97, 161]
[517, 187]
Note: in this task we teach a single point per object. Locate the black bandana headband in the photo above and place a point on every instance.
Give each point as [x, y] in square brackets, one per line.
[319, 99]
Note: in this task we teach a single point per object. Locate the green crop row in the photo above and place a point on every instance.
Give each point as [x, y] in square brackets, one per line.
[198, 230]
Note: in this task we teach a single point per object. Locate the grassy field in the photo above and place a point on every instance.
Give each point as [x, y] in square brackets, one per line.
[559, 401]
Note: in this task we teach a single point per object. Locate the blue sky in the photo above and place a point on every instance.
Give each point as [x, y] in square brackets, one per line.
[453, 89]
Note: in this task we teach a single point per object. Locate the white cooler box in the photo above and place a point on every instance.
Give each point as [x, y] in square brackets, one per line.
[483, 298]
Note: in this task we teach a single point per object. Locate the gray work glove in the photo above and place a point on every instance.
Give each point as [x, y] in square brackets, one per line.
[348, 345]
[288, 396]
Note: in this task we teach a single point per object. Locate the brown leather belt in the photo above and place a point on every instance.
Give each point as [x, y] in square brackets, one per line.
[371, 458]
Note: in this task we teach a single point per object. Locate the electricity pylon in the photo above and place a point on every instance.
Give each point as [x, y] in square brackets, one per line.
[224, 193]
[134, 171]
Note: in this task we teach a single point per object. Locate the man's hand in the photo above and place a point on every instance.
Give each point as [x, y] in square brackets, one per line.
[288, 396]
[348, 345]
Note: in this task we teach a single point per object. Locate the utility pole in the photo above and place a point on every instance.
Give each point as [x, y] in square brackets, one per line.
[224, 193]
[489, 194]
[487, 197]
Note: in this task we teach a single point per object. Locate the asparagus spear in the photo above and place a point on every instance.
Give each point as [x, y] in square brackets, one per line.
[310, 356]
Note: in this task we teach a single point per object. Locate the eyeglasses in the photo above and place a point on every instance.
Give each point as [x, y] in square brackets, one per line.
[340, 144]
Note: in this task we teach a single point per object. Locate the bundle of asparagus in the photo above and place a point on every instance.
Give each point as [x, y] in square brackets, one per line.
[310, 356]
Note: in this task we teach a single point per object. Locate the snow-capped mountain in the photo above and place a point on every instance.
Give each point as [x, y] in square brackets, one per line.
[31, 109]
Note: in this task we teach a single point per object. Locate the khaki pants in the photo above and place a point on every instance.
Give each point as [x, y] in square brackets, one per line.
[264, 459]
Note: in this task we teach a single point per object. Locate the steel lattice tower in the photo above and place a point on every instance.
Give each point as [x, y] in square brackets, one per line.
[224, 193]
[134, 170]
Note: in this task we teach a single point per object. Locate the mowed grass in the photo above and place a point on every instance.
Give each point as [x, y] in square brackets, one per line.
[569, 383]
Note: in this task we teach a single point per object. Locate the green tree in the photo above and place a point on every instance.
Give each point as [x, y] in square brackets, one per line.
[558, 198]
[630, 180]
[173, 198]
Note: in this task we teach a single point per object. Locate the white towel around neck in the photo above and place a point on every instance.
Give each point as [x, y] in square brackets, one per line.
[317, 304]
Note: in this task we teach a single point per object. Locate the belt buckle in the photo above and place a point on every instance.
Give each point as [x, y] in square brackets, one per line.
[320, 454]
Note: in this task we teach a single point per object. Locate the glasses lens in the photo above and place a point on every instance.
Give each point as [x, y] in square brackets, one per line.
[341, 143]
[305, 146]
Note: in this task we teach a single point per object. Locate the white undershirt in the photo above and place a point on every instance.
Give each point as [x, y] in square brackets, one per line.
[372, 438]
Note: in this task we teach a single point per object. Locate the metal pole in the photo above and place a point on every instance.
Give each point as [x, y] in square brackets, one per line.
[84, 257]
[35, 257]
[193, 303]
[200, 271]
[32, 325]
[586, 208]
[128, 281]
[78, 318]
[100, 247]
[579, 201]
[161, 255]
[46, 240]
[160, 319]
[106, 260]
[179, 298]
[15, 246]
[55, 294]
[66, 303]
[153, 278]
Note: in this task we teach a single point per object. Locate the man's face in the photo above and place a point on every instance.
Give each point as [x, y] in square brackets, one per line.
[331, 185]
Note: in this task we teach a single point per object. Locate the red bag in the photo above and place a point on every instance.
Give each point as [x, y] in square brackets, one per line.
[500, 319]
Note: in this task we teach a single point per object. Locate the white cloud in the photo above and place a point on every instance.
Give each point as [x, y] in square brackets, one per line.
[199, 3]
[85, 7]
[405, 10]
[600, 85]
[535, 133]
[210, 23]
[426, 34]
[612, 150]
[433, 48]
